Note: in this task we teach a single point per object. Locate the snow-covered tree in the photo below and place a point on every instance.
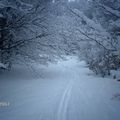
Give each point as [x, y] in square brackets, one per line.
[100, 35]
[24, 32]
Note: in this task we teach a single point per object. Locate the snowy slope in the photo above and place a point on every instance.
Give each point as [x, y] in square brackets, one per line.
[68, 91]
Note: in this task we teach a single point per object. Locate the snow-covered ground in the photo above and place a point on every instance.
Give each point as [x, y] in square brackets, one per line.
[67, 91]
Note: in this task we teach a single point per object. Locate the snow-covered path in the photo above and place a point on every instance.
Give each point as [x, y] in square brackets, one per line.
[68, 91]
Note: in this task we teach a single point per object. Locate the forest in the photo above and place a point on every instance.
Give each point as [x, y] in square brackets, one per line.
[59, 59]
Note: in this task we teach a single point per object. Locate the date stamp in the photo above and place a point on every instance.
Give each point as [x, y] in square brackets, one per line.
[4, 104]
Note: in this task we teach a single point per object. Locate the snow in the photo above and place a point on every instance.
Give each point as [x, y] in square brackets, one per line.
[67, 91]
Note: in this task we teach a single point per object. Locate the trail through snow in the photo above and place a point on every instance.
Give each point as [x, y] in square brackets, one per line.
[68, 91]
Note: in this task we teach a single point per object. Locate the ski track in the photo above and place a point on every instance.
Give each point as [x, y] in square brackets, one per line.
[62, 109]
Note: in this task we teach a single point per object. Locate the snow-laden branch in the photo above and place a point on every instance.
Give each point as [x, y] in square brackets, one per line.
[95, 40]
[25, 41]
[86, 21]
[110, 10]
[95, 32]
